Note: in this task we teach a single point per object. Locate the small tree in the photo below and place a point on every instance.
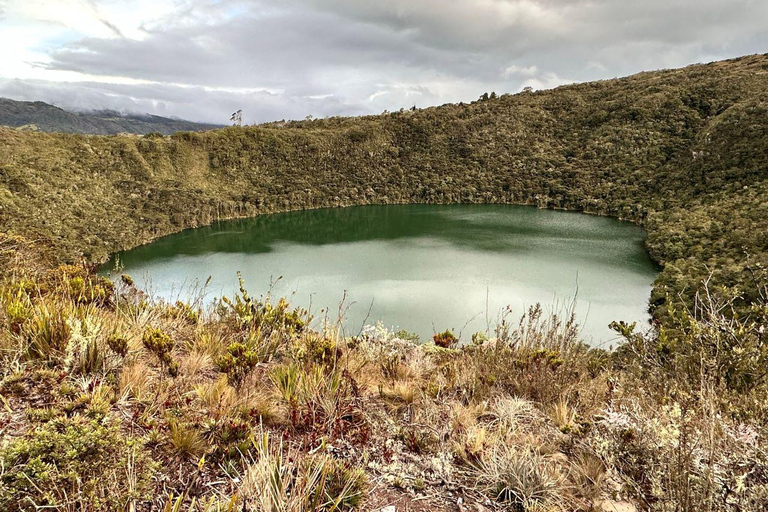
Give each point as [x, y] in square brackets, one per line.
[160, 344]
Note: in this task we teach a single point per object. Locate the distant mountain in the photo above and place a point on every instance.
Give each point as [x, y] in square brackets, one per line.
[37, 115]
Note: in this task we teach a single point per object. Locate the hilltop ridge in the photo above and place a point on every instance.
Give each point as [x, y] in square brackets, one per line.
[40, 116]
[682, 152]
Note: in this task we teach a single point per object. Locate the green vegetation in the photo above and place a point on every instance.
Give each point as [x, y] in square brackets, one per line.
[80, 462]
[267, 412]
[682, 152]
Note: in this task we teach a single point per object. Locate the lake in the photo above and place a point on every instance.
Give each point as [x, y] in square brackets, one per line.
[423, 268]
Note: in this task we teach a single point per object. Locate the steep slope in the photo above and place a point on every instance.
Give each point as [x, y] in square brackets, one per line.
[682, 152]
[48, 118]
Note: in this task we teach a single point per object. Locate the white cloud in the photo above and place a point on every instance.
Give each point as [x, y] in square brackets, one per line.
[376, 95]
[290, 58]
[514, 70]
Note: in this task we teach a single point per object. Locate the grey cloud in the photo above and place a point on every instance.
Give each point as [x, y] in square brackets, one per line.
[502, 24]
[248, 51]
[328, 57]
[111, 26]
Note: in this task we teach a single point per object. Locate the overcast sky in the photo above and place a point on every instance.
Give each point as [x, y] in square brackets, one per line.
[286, 59]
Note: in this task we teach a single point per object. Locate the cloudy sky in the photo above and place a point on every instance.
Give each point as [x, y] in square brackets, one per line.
[286, 59]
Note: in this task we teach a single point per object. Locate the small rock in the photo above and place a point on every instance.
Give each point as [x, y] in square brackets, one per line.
[390, 508]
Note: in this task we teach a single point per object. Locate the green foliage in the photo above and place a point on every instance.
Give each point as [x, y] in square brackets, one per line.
[46, 332]
[160, 344]
[238, 362]
[407, 336]
[73, 458]
[345, 486]
[231, 439]
[287, 379]
[18, 309]
[265, 317]
[316, 348]
[118, 344]
[479, 338]
[185, 440]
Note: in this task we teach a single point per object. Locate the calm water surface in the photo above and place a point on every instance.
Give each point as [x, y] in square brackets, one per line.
[416, 267]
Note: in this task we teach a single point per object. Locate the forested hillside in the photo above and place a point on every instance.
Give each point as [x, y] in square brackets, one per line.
[682, 152]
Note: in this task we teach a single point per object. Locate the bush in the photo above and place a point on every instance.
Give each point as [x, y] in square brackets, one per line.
[445, 339]
[237, 363]
[118, 344]
[183, 311]
[74, 459]
[314, 348]
[264, 316]
[709, 340]
[160, 344]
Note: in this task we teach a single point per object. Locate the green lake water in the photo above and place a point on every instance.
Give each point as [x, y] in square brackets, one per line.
[423, 268]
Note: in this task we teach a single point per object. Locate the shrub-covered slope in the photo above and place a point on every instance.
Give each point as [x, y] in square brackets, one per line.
[684, 152]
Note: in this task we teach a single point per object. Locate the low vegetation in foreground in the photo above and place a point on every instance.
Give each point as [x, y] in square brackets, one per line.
[112, 401]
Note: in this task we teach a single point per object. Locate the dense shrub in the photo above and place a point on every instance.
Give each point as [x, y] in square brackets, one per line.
[77, 459]
[160, 344]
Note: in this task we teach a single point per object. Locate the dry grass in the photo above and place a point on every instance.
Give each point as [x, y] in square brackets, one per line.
[281, 480]
[563, 415]
[522, 478]
[589, 475]
[528, 420]
[196, 363]
[135, 381]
